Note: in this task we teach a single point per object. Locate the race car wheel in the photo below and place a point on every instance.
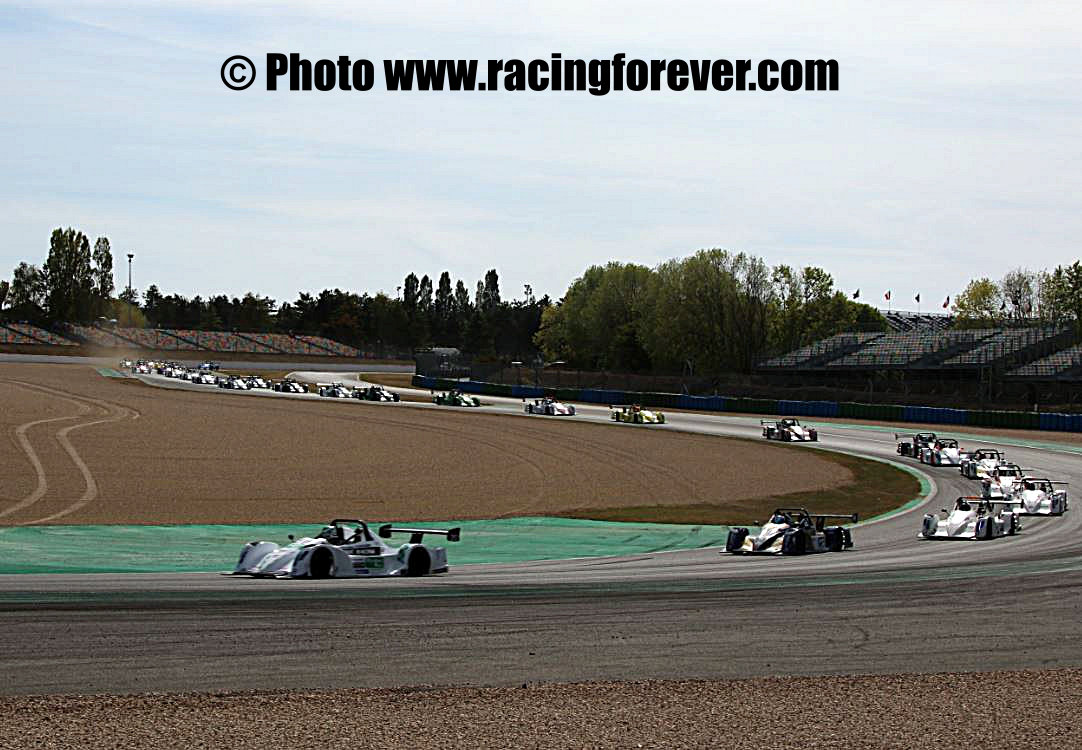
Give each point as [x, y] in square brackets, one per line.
[322, 564]
[835, 538]
[793, 543]
[419, 562]
[736, 539]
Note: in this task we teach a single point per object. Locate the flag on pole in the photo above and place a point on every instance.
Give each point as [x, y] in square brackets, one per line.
[917, 298]
[946, 302]
[856, 294]
[887, 296]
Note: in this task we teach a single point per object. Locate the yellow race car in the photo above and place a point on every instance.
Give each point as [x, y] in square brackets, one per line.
[635, 414]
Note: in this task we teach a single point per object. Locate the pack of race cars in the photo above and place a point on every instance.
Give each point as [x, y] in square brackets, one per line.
[1008, 493]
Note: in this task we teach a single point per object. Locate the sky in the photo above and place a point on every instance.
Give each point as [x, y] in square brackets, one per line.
[950, 151]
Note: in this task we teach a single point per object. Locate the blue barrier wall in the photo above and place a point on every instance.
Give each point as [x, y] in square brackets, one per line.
[887, 412]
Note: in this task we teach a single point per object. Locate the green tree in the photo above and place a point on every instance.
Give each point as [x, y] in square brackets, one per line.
[979, 305]
[103, 269]
[27, 293]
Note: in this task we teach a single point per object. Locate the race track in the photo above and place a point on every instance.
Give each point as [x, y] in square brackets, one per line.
[892, 604]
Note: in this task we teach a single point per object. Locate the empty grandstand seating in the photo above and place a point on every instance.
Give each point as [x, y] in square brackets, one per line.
[38, 335]
[1054, 365]
[8, 336]
[838, 344]
[1002, 344]
[901, 349]
[333, 347]
[909, 321]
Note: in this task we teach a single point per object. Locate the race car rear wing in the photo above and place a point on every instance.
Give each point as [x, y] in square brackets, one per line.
[819, 519]
[417, 535]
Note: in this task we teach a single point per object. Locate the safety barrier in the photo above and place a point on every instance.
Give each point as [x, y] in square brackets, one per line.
[1021, 420]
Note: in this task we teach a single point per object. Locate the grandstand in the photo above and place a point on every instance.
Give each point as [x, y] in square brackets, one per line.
[31, 334]
[824, 350]
[908, 349]
[903, 322]
[1007, 344]
[170, 339]
[1064, 363]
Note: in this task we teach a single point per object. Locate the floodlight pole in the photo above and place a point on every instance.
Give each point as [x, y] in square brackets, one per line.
[130, 256]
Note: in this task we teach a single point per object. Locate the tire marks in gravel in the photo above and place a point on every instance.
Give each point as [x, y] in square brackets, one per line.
[105, 411]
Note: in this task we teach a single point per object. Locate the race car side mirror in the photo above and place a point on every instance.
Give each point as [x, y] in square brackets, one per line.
[454, 534]
[290, 537]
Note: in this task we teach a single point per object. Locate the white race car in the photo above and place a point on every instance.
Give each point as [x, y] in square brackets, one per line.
[142, 368]
[254, 381]
[792, 531]
[1037, 496]
[911, 445]
[972, 518]
[942, 452]
[346, 548]
[290, 386]
[549, 407]
[1001, 481]
[334, 390]
[126, 364]
[788, 430]
[232, 382]
[980, 463]
[204, 377]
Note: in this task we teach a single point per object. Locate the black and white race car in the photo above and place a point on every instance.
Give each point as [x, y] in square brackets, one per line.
[980, 463]
[1038, 496]
[289, 385]
[972, 518]
[941, 452]
[549, 407]
[1002, 481]
[203, 377]
[911, 445]
[346, 548]
[232, 382]
[788, 430]
[792, 531]
[375, 393]
[256, 382]
[334, 390]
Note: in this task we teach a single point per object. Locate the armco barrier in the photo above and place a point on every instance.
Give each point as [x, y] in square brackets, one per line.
[1023, 420]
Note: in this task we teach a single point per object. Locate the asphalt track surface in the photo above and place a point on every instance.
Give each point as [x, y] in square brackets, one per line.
[892, 604]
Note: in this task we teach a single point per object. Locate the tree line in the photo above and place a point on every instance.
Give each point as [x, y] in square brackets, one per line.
[714, 311]
[1023, 297]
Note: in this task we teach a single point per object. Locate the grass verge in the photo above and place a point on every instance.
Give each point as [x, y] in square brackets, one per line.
[876, 488]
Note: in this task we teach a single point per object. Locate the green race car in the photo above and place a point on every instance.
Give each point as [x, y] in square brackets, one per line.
[455, 398]
[635, 414]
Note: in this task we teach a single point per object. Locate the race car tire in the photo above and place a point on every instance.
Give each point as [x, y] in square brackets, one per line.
[1013, 528]
[793, 543]
[661, 419]
[835, 538]
[931, 523]
[736, 539]
[419, 562]
[322, 563]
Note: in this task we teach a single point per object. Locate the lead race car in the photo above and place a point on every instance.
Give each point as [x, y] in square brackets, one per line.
[980, 463]
[788, 430]
[941, 452]
[1038, 496]
[455, 397]
[972, 518]
[549, 407]
[635, 414]
[793, 531]
[346, 548]
[375, 393]
[911, 445]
